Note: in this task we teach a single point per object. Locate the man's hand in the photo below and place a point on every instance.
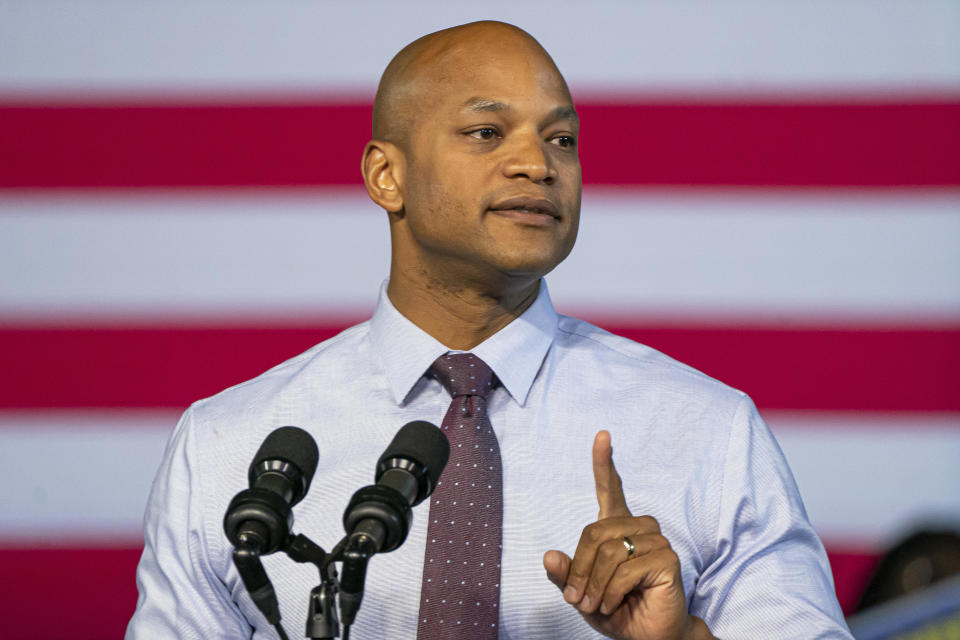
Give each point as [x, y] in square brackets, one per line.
[635, 596]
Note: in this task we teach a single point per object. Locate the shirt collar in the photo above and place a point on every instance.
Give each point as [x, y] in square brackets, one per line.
[515, 353]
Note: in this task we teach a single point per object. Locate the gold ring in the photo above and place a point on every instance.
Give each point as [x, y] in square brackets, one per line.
[628, 545]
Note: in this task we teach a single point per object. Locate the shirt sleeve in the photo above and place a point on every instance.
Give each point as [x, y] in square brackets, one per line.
[180, 595]
[769, 577]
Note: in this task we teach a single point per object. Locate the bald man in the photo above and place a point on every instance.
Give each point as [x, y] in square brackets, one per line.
[701, 532]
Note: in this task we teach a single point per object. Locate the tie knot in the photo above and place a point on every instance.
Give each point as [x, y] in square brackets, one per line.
[463, 374]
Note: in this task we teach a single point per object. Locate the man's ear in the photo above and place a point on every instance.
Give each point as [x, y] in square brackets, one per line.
[383, 167]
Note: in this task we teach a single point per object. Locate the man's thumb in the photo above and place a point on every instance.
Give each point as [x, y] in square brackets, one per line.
[557, 564]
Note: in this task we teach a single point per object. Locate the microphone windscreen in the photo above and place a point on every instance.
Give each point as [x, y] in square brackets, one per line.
[293, 445]
[422, 442]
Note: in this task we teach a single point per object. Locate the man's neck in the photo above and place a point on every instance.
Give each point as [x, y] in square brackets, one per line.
[459, 317]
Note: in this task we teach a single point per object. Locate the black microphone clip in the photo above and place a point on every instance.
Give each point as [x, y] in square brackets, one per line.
[378, 513]
[258, 519]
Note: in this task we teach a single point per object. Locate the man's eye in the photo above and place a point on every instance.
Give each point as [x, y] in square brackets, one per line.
[486, 133]
[564, 141]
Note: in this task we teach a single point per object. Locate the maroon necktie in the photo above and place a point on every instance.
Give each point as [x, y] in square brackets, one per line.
[460, 596]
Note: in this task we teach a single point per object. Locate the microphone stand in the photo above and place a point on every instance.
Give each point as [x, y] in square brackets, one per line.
[354, 552]
[322, 621]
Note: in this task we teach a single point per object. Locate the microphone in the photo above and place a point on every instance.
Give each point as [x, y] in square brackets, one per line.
[259, 518]
[378, 517]
[406, 474]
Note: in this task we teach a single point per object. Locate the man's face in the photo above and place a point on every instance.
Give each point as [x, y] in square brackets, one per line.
[492, 184]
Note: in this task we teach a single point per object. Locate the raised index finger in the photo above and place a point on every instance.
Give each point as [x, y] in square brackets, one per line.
[609, 487]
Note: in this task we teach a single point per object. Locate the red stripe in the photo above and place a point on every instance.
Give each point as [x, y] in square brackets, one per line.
[87, 594]
[139, 367]
[848, 143]
[91, 593]
[852, 569]
[806, 368]
[823, 368]
[181, 146]
[833, 145]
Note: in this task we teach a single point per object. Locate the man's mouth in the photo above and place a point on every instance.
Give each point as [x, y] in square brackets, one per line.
[523, 205]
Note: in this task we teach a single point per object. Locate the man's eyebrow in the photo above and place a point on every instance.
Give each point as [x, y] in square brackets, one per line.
[485, 104]
[563, 112]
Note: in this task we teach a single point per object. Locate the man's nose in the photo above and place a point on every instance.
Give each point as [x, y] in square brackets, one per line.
[527, 158]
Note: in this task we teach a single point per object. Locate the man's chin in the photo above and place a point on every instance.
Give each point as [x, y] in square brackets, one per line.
[527, 267]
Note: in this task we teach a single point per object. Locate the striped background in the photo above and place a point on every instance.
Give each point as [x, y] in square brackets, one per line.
[772, 194]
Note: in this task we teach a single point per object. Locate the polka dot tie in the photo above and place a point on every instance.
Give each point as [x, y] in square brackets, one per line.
[460, 596]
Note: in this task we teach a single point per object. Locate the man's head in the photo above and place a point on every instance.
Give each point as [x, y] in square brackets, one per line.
[474, 155]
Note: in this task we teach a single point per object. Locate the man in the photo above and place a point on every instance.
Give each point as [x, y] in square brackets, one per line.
[702, 533]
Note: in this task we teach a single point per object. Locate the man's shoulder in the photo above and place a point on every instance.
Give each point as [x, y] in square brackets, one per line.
[615, 357]
[320, 365]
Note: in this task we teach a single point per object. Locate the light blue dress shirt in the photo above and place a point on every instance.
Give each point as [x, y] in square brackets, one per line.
[692, 452]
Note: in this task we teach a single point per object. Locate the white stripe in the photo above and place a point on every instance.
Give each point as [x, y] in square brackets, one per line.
[83, 475]
[755, 253]
[872, 479]
[740, 253]
[173, 254]
[78, 476]
[707, 46]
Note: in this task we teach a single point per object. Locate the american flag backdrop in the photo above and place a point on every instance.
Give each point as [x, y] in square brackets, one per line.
[771, 194]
